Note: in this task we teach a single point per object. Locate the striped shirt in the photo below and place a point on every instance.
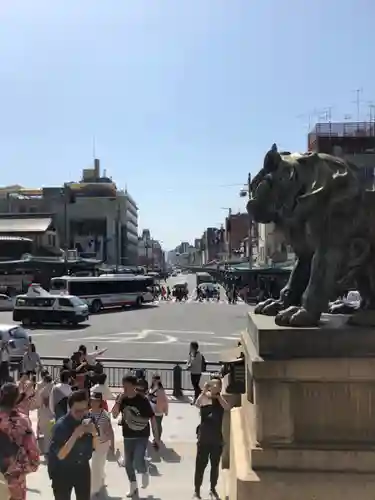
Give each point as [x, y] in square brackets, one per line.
[103, 423]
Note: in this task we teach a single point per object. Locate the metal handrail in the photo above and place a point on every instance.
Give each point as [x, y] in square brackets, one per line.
[122, 361]
[174, 375]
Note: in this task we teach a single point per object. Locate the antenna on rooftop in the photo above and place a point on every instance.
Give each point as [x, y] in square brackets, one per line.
[371, 107]
[357, 102]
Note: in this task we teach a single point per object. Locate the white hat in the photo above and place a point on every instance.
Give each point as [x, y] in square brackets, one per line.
[96, 389]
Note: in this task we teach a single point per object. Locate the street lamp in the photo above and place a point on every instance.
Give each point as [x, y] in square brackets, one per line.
[246, 191]
[228, 231]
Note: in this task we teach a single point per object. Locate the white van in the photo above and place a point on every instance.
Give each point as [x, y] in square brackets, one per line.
[38, 306]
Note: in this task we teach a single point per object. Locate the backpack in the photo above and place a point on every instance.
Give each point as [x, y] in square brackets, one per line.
[204, 363]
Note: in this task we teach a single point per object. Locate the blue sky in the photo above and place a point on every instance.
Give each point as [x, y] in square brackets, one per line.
[183, 96]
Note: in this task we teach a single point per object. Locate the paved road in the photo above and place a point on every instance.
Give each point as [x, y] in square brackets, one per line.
[158, 332]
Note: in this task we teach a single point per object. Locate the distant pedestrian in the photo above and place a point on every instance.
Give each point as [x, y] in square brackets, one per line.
[31, 363]
[195, 367]
[4, 357]
[142, 384]
[58, 399]
[91, 357]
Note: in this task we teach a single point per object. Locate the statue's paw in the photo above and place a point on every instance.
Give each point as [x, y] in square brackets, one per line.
[283, 317]
[273, 308]
[259, 307]
[303, 318]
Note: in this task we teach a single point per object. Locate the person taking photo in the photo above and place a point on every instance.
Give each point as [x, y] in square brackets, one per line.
[74, 438]
[209, 435]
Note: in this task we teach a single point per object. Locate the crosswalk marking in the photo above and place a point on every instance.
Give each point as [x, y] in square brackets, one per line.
[192, 300]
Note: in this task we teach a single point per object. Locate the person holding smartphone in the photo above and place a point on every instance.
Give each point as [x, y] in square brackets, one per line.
[73, 440]
[209, 435]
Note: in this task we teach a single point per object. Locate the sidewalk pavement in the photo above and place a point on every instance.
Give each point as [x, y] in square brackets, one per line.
[171, 469]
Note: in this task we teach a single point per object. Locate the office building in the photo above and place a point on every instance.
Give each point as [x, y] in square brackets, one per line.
[92, 215]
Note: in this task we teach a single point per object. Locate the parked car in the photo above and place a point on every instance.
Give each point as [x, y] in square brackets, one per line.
[6, 302]
[18, 341]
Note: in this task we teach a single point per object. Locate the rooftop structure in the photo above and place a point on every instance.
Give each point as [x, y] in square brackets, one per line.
[351, 137]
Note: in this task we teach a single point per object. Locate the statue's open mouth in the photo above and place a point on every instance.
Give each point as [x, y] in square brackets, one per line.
[260, 212]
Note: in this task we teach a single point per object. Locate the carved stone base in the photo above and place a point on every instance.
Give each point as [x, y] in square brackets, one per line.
[306, 425]
[362, 318]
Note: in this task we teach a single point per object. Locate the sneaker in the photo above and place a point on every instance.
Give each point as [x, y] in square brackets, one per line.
[133, 490]
[119, 458]
[145, 479]
[197, 495]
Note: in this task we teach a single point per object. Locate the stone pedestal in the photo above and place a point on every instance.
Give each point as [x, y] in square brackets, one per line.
[306, 427]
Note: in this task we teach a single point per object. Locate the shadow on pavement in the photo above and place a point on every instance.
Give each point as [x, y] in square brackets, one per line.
[110, 310]
[141, 497]
[153, 470]
[184, 399]
[169, 455]
[58, 326]
[153, 454]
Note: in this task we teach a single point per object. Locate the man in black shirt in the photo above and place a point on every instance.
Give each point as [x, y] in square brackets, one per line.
[209, 434]
[136, 414]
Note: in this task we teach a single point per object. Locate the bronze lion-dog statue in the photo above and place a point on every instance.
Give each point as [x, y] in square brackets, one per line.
[321, 205]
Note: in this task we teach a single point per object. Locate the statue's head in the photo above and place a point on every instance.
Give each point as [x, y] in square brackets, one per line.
[272, 191]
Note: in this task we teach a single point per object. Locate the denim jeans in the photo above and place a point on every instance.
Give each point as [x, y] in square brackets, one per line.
[134, 453]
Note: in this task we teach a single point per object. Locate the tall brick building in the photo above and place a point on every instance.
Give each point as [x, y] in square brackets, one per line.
[236, 229]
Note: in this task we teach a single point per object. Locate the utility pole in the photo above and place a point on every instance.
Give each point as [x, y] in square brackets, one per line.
[250, 234]
[229, 233]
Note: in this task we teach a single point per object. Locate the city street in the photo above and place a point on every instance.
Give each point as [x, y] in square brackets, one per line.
[155, 332]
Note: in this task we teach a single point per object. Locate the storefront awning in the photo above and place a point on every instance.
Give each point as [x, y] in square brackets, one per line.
[11, 225]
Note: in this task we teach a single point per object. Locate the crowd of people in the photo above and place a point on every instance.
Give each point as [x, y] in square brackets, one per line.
[75, 431]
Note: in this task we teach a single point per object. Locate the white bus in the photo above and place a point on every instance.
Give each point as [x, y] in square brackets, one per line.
[99, 292]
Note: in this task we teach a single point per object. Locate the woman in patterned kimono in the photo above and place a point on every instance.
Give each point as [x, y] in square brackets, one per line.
[19, 452]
